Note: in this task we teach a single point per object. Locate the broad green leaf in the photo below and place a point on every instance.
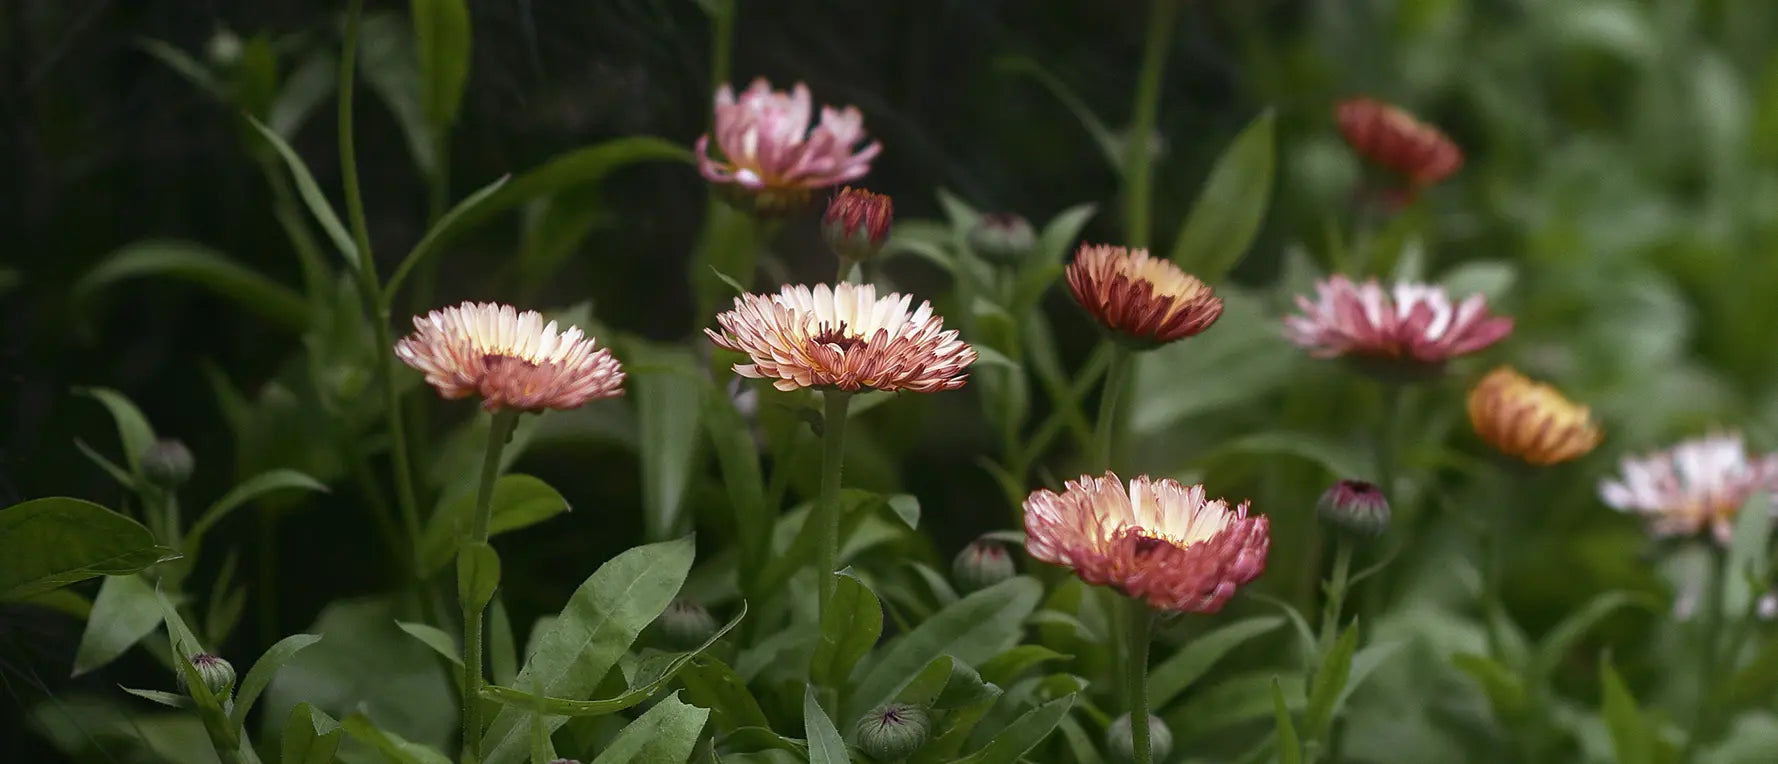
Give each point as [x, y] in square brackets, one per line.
[49, 543]
[442, 39]
[1058, 237]
[1231, 205]
[433, 637]
[849, 629]
[441, 230]
[1290, 749]
[963, 688]
[1002, 669]
[926, 684]
[1505, 690]
[390, 64]
[132, 427]
[1243, 358]
[711, 683]
[1568, 632]
[395, 749]
[1238, 699]
[310, 83]
[168, 699]
[503, 656]
[1364, 662]
[253, 488]
[666, 734]
[1023, 734]
[738, 459]
[1329, 683]
[906, 508]
[124, 612]
[825, 744]
[974, 629]
[574, 169]
[310, 737]
[312, 196]
[264, 669]
[755, 739]
[668, 404]
[519, 501]
[598, 625]
[1167, 680]
[205, 267]
[478, 574]
[1630, 732]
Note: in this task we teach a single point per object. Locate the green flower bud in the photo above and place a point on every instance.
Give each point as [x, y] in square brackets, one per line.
[1003, 237]
[224, 49]
[685, 624]
[893, 731]
[218, 675]
[1355, 507]
[167, 463]
[1122, 745]
[982, 564]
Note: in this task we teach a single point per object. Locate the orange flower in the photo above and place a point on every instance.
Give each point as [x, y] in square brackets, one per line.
[1160, 541]
[1529, 420]
[1145, 301]
[512, 359]
[1395, 139]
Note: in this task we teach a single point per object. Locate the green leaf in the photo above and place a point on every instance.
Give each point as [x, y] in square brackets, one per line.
[1023, 734]
[223, 734]
[519, 501]
[575, 169]
[310, 737]
[1290, 749]
[389, 63]
[711, 683]
[441, 38]
[1329, 683]
[435, 638]
[1339, 460]
[825, 744]
[666, 734]
[974, 629]
[1231, 205]
[1238, 699]
[1568, 632]
[757, 739]
[478, 574]
[253, 488]
[1505, 690]
[1059, 236]
[738, 459]
[132, 427]
[168, 699]
[600, 622]
[49, 543]
[310, 83]
[124, 612]
[441, 230]
[963, 688]
[849, 629]
[1745, 565]
[184, 65]
[1630, 732]
[264, 669]
[1002, 669]
[311, 195]
[394, 748]
[1364, 662]
[1167, 680]
[928, 683]
[668, 405]
[205, 267]
[907, 508]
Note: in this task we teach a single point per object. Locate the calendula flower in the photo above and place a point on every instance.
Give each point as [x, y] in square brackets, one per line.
[1159, 541]
[844, 337]
[769, 151]
[1396, 140]
[512, 359]
[1144, 301]
[1698, 485]
[1529, 420]
[1412, 325]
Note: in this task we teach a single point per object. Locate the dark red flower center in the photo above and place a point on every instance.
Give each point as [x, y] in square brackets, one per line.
[837, 335]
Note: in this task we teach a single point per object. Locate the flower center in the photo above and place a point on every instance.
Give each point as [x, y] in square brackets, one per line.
[496, 360]
[837, 336]
[1147, 545]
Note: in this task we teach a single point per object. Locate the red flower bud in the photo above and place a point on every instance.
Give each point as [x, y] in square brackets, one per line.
[857, 223]
[1398, 141]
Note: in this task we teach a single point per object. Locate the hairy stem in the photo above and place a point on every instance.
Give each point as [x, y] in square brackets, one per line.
[1117, 377]
[1138, 623]
[833, 452]
[499, 430]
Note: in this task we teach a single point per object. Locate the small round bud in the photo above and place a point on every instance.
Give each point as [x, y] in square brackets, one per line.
[564, 761]
[1122, 744]
[224, 49]
[686, 624]
[893, 731]
[1767, 606]
[218, 675]
[982, 564]
[1356, 507]
[1003, 237]
[167, 463]
[856, 223]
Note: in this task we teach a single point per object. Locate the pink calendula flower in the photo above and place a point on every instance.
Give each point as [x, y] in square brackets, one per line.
[769, 151]
[1697, 485]
[844, 337]
[1409, 324]
[1158, 540]
[512, 359]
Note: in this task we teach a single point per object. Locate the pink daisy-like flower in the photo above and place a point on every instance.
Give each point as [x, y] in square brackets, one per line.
[1162, 542]
[768, 149]
[843, 337]
[1697, 485]
[512, 359]
[1415, 323]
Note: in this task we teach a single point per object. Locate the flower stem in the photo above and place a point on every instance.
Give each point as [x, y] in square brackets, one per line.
[1336, 591]
[722, 44]
[499, 431]
[1117, 377]
[833, 452]
[1138, 623]
[1709, 634]
[1138, 159]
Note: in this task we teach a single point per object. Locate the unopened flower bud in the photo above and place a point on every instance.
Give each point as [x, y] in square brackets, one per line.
[982, 564]
[856, 223]
[1003, 237]
[218, 675]
[686, 624]
[1356, 507]
[1122, 745]
[1767, 606]
[224, 49]
[564, 761]
[893, 731]
[167, 463]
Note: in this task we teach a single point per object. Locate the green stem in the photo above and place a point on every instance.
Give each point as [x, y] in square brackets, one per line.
[499, 431]
[1336, 591]
[722, 43]
[1138, 623]
[1117, 377]
[1709, 634]
[1138, 161]
[833, 452]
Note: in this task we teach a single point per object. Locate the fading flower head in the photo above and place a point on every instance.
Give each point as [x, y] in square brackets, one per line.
[1529, 420]
[769, 151]
[1411, 324]
[512, 359]
[1145, 301]
[1395, 139]
[1158, 541]
[1698, 485]
[845, 337]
